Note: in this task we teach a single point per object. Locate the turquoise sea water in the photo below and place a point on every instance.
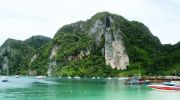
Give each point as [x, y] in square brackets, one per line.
[30, 88]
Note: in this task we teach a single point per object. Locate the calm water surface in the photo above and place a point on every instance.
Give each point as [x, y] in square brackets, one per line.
[30, 88]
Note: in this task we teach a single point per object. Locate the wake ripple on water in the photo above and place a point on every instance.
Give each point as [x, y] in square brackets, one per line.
[24, 82]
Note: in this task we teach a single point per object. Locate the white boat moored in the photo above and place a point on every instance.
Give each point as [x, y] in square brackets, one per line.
[16, 76]
[98, 77]
[77, 77]
[39, 77]
[109, 78]
[93, 77]
[69, 77]
[4, 79]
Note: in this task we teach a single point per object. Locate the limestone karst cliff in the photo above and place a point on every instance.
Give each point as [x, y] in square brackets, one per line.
[15, 54]
[104, 42]
[104, 45]
[99, 46]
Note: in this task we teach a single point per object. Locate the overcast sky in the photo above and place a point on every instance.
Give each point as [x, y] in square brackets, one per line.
[20, 19]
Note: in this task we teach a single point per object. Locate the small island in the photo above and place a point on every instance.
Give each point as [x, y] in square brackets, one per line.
[106, 45]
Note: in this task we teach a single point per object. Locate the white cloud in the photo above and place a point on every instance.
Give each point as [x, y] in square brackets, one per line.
[20, 19]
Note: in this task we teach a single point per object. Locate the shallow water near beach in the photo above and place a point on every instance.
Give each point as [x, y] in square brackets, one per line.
[51, 88]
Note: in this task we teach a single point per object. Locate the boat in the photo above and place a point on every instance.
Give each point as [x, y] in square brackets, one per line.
[77, 77]
[93, 77]
[69, 77]
[136, 80]
[4, 79]
[109, 78]
[39, 77]
[165, 87]
[16, 76]
[98, 77]
[172, 83]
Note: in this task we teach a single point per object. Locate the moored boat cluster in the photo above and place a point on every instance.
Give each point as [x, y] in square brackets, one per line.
[170, 86]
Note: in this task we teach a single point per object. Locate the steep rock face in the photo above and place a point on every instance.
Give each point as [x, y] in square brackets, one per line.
[102, 43]
[115, 54]
[32, 72]
[97, 30]
[113, 47]
[16, 56]
[81, 55]
[41, 60]
[96, 36]
[4, 61]
[96, 47]
[52, 63]
[34, 57]
[5, 66]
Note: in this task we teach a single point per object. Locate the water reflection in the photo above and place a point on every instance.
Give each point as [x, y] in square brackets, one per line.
[30, 88]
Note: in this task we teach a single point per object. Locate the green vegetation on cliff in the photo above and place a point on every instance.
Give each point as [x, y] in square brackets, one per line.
[15, 55]
[41, 56]
[89, 66]
[78, 49]
[37, 41]
[146, 53]
[71, 43]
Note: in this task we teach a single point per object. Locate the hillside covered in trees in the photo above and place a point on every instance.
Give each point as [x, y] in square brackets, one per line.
[104, 45]
[15, 55]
